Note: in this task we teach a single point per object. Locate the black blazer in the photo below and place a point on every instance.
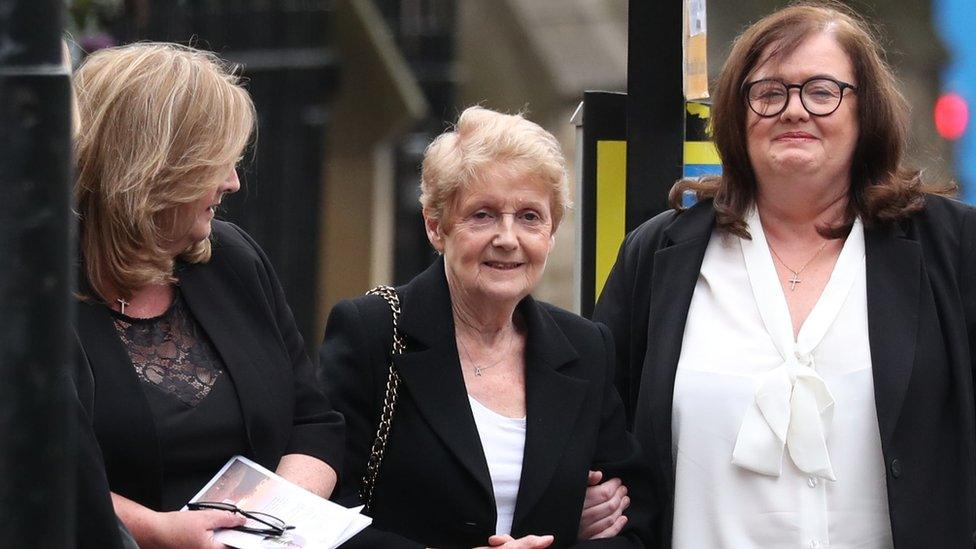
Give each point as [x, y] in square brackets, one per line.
[921, 299]
[237, 300]
[434, 487]
[95, 523]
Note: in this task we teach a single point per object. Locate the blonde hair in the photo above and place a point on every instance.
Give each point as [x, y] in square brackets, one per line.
[482, 141]
[160, 123]
[68, 65]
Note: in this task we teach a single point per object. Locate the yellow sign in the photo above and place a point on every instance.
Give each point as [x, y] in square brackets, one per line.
[611, 206]
[700, 156]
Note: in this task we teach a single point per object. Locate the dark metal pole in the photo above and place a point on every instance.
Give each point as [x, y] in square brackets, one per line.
[655, 106]
[604, 121]
[36, 440]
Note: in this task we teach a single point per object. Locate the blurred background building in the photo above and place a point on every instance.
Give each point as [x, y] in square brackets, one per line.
[350, 92]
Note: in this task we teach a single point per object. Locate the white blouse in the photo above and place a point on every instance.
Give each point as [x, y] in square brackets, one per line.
[775, 439]
[503, 441]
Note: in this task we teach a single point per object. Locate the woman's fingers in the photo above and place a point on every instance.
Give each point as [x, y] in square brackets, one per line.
[601, 493]
[194, 529]
[220, 519]
[593, 478]
[526, 542]
[614, 529]
[529, 542]
[614, 504]
[210, 520]
[619, 506]
[601, 516]
[499, 540]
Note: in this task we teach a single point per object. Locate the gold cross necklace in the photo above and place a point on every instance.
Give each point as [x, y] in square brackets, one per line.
[795, 279]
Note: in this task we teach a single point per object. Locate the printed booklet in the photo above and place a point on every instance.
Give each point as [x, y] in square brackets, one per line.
[313, 522]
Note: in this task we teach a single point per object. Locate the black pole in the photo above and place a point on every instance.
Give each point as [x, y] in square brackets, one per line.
[36, 442]
[604, 119]
[655, 106]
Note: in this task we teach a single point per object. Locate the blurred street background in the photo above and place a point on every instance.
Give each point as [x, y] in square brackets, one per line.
[350, 92]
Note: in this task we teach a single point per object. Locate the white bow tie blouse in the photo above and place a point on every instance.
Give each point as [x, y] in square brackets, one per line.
[775, 439]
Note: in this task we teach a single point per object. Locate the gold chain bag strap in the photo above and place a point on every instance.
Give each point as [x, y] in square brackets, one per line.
[389, 294]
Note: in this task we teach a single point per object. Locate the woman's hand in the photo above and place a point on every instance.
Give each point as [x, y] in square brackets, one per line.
[603, 507]
[527, 542]
[190, 529]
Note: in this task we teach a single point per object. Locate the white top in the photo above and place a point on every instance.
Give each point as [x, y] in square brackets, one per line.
[503, 440]
[775, 439]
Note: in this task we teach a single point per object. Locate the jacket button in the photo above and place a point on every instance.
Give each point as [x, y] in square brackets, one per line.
[895, 468]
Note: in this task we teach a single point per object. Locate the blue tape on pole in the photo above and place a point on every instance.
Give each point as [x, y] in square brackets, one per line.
[698, 170]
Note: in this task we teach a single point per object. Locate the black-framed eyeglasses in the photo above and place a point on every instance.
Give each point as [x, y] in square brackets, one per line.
[820, 95]
[273, 526]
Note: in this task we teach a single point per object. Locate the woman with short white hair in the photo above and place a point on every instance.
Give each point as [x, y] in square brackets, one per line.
[502, 403]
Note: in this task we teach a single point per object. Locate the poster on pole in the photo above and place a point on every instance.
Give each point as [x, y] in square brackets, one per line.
[695, 71]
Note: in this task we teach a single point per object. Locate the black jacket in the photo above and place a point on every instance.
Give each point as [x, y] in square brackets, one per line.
[95, 523]
[921, 299]
[434, 487]
[237, 300]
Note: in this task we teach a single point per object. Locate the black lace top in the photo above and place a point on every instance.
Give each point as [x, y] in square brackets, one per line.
[191, 396]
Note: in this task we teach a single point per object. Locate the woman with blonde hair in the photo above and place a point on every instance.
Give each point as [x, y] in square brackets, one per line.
[190, 352]
[502, 403]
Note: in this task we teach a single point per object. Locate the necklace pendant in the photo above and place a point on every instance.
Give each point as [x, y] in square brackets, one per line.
[477, 371]
[794, 281]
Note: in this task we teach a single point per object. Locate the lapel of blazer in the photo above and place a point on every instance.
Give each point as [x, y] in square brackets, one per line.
[675, 273]
[130, 424]
[894, 268]
[553, 402]
[431, 371]
[216, 307]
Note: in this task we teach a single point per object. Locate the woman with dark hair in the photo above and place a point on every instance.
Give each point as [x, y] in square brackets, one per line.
[796, 349]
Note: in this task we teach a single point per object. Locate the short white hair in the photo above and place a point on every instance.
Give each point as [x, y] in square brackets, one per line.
[482, 141]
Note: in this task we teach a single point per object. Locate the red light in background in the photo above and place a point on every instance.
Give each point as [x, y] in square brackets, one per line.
[951, 116]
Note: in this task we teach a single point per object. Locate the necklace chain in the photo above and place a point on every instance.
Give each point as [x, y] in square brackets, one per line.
[479, 369]
[795, 279]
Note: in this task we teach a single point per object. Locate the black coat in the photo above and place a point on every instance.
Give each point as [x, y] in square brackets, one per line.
[921, 299]
[434, 487]
[95, 523]
[236, 299]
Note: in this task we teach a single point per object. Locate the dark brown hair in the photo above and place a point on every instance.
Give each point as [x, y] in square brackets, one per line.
[883, 191]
